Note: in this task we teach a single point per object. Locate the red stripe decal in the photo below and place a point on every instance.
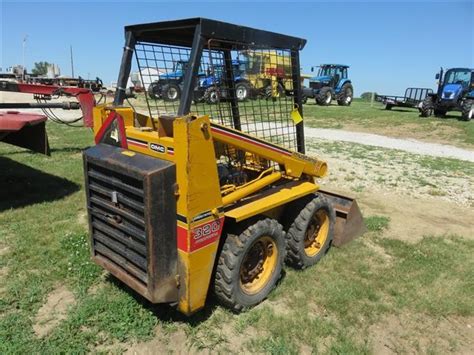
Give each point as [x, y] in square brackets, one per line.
[136, 143]
[182, 235]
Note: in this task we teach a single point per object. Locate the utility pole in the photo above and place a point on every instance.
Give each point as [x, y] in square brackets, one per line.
[72, 64]
[23, 56]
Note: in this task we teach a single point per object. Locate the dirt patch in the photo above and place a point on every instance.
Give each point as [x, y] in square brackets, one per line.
[411, 219]
[4, 250]
[416, 333]
[82, 217]
[279, 306]
[53, 311]
[3, 276]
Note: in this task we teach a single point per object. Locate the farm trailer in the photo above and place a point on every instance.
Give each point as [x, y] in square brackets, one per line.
[413, 98]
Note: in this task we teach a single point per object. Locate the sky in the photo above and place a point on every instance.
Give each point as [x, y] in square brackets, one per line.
[389, 45]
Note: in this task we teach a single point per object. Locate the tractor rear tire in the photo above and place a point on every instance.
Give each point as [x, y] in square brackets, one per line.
[467, 110]
[250, 265]
[154, 91]
[171, 92]
[427, 107]
[346, 95]
[280, 92]
[242, 91]
[212, 95]
[310, 236]
[388, 107]
[324, 97]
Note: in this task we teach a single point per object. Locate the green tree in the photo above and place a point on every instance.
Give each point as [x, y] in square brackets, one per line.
[41, 68]
[367, 96]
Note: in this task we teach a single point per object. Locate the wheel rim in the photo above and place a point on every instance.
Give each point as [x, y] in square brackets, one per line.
[258, 265]
[241, 93]
[348, 96]
[172, 93]
[213, 97]
[470, 113]
[316, 233]
[328, 97]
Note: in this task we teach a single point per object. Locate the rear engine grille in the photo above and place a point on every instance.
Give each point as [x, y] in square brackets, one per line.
[118, 220]
[132, 219]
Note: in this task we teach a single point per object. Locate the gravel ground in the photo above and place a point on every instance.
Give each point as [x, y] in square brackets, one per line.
[407, 145]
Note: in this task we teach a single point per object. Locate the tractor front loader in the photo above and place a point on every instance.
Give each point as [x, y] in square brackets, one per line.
[193, 198]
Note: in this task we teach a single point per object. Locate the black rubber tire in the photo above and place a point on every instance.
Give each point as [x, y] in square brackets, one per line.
[304, 99]
[296, 255]
[166, 92]
[212, 95]
[427, 107]
[227, 285]
[346, 95]
[467, 111]
[324, 96]
[154, 91]
[388, 106]
[242, 85]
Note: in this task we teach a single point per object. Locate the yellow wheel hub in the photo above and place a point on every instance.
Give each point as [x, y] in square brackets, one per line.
[258, 265]
[316, 233]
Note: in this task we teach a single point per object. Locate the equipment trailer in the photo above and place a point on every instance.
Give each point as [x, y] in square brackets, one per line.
[413, 98]
[193, 197]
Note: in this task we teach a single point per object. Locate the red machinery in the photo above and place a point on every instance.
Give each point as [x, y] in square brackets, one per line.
[28, 130]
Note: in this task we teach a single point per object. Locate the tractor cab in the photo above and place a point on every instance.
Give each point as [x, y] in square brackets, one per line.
[331, 82]
[456, 81]
[330, 74]
[455, 93]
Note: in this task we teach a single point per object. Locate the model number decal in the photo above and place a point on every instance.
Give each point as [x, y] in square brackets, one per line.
[157, 148]
[206, 231]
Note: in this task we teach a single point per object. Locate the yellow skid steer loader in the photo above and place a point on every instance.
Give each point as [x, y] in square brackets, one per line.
[188, 197]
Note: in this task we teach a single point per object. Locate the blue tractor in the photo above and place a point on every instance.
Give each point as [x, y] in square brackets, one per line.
[210, 87]
[332, 82]
[169, 85]
[455, 93]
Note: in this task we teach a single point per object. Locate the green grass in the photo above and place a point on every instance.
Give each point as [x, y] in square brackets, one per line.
[397, 122]
[328, 308]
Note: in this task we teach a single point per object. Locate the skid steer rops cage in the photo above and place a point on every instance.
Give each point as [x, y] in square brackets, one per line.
[241, 77]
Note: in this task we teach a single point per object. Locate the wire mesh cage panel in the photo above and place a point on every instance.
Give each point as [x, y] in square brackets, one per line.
[243, 87]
